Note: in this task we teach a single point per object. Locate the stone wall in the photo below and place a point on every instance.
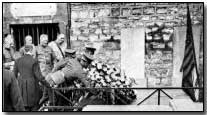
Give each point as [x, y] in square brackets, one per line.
[100, 24]
[60, 17]
[106, 19]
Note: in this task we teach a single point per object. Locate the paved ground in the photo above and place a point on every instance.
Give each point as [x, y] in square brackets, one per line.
[153, 100]
[127, 108]
[164, 100]
[180, 102]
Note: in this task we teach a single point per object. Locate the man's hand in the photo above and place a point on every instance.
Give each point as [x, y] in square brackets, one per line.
[55, 78]
[48, 78]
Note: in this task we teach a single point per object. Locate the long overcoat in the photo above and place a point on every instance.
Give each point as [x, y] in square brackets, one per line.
[29, 77]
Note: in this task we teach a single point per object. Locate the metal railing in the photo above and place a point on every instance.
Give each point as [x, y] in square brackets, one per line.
[158, 90]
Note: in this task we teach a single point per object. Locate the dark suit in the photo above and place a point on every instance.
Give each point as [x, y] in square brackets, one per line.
[12, 99]
[29, 78]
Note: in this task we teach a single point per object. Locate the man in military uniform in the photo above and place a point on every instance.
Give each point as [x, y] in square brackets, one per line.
[8, 51]
[90, 50]
[69, 54]
[45, 55]
[46, 59]
[70, 68]
[59, 46]
[68, 62]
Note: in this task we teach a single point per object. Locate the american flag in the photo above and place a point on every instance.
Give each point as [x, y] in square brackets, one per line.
[189, 65]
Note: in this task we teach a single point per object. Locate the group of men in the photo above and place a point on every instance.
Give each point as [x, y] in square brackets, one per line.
[45, 65]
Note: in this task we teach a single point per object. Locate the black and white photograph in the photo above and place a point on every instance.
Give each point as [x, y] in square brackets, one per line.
[103, 56]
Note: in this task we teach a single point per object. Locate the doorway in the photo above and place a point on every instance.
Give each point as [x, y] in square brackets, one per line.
[35, 30]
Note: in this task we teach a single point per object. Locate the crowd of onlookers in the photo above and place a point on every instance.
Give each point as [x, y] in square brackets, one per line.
[30, 73]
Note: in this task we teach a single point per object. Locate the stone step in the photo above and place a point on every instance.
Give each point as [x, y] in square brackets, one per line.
[127, 108]
[185, 105]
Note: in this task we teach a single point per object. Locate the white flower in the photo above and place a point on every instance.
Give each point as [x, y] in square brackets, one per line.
[108, 66]
[96, 73]
[127, 82]
[105, 69]
[113, 84]
[84, 69]
[122, 79]
[118, 83]
[102, 80]
[118, 78]
[90, 73]
[93, 63]
[109, 71]
[104, 84]
[98, 77]
[115, 78]
[101, 73]
[98, 85]
[93, 78]
[93, 69]
[121, 86]
[109, 80]
[99, 66]
[78, 85]
[106, 76]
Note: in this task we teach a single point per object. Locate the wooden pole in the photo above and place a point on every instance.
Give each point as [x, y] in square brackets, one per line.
[68, 26]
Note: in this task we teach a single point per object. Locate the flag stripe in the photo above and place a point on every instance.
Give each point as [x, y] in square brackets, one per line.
[185, 68]
[188, 70]
[188, 48]
[188, 60]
